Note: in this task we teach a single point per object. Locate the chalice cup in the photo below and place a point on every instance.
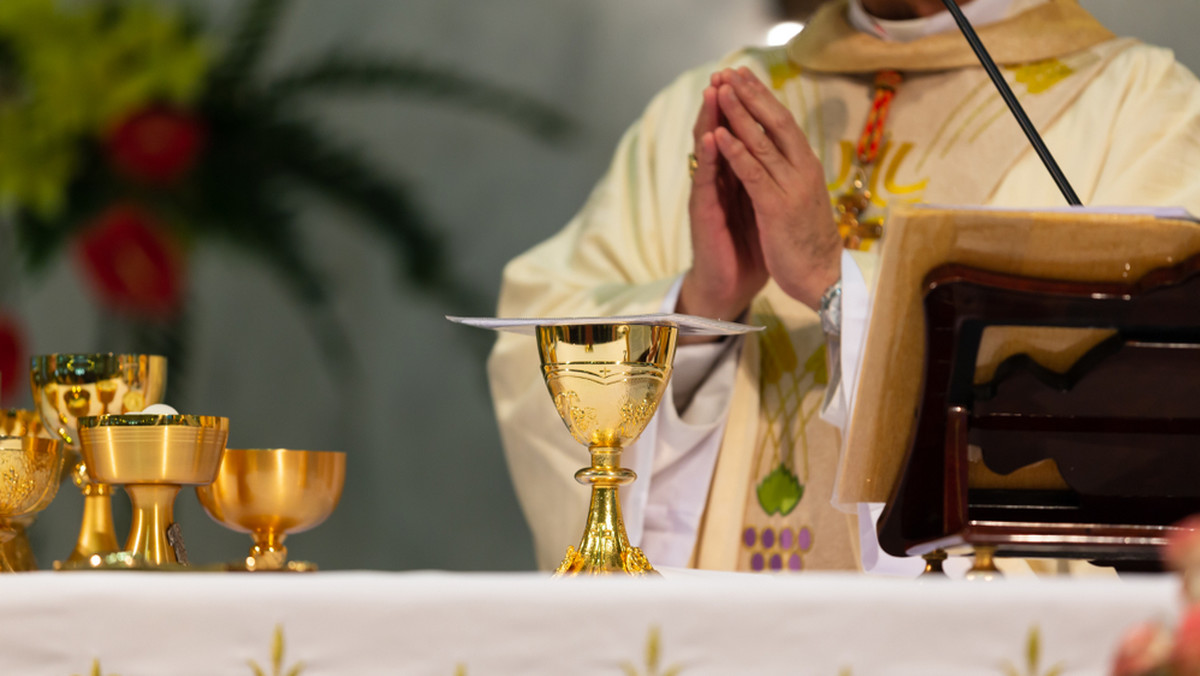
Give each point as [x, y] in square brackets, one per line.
[152, 457]
[16, 554]
[271, 493]
[606, 381]
[67, 387]
[30, 473]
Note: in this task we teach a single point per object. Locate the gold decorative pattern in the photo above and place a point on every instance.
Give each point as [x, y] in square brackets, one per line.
[1040, 76]
[652, 659]
[277, 656]
[576, 416]
[635, 562]
[636, 414]
[785, 382]
[1033, 658]
[96, 671]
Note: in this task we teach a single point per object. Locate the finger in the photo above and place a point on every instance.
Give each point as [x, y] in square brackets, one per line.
[708, 118]
[707, 164]
[752, 135]
[746, 166]
[776, 120]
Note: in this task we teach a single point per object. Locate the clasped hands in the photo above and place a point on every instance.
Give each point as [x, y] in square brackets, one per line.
[759, 207]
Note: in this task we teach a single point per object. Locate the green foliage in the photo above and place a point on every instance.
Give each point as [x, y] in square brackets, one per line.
[258, 153]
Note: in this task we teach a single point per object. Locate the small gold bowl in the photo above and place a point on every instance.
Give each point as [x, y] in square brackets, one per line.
[271, 493]
[15, 553]
[152, 456]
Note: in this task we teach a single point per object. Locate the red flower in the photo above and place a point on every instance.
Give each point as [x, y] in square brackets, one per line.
[1185, 655]
[12, 356]
[156, 145]
[1143, 650]
[132, 262]
[1182, 554]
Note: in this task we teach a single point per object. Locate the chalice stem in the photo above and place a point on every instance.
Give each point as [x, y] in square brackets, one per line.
[605, 546]
[96, 532]
[153, 514]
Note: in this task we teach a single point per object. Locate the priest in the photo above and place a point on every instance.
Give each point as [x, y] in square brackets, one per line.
[753, 189]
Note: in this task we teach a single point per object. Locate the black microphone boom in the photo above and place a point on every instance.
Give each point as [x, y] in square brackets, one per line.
[1013, 105]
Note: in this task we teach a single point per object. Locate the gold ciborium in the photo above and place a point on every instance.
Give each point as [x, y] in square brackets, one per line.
[30, 472]
[16, 554]
[606, 381]
[152, 456]
[67, 387]
[271, 493]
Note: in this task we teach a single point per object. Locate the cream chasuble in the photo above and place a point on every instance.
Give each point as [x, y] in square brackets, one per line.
[949, 140]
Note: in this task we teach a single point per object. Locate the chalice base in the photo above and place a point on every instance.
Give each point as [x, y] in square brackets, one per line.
[605, 547]
[16, 556]
[268, 552]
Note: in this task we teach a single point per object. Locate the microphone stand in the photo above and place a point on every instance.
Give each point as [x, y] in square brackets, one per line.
[1013, 105]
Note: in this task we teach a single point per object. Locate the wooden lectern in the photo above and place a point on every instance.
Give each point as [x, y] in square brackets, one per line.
[1031, 385]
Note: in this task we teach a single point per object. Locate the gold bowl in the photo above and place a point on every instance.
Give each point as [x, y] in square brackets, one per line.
[152, 456]
[29, 477]
[271, 493]
[16, 554]
[606, 381]
[67, 387]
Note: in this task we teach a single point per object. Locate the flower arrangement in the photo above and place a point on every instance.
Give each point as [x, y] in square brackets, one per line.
[1152, 648]
[129, 136]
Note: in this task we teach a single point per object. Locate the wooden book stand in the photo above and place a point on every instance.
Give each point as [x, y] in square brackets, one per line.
[1055, 414]
[1122, 425]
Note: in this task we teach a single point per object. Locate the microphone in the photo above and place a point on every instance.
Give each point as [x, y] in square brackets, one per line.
[1013, 105]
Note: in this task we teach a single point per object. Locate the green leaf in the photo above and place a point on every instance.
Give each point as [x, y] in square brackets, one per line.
[256, 24]
[780, 491]
[341, 73]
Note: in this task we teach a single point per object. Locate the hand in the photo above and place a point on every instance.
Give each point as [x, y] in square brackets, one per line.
[771, 158]
[727, 260]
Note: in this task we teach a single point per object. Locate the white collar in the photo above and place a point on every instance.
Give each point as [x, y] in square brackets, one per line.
[978, 12]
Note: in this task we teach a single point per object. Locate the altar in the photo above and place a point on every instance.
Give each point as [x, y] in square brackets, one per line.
[686, 623]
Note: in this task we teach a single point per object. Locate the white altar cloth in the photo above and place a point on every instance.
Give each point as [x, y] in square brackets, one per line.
[467, 624]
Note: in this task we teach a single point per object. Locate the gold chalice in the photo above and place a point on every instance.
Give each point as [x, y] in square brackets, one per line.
[271, 493]
[21, 422]
[16, 554]
[67, 387]
[30, 470]
[606, 381]
[152, 456]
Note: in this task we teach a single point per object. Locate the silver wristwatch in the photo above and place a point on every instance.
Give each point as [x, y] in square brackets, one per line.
[830, 310]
